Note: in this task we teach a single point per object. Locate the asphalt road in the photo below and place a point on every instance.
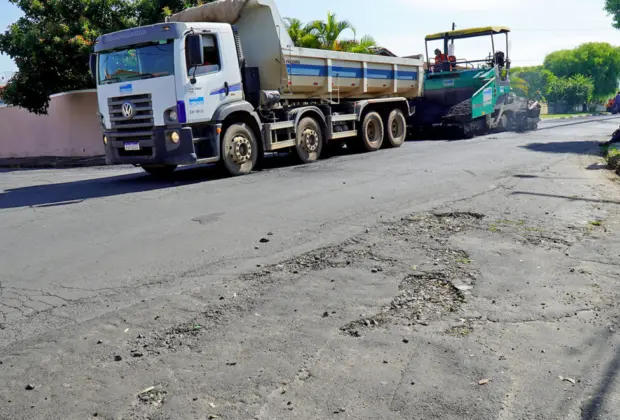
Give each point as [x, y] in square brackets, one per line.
[111, 256]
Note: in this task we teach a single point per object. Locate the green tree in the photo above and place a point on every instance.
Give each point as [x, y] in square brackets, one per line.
[329, 31]
[301, 34]
[363, 46]
[152, 11]
[568, 92]
[598, 60]
[51, 43]
[535, 79]
[613, 8]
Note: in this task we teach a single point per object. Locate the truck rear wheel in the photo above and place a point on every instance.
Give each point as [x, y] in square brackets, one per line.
[309, 142]
[239, 150]
[372, 132]
[396, 129]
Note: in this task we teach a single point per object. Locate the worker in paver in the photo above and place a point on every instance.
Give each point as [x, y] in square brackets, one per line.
[440, 58]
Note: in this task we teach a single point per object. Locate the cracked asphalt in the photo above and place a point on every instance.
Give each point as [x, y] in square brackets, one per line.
[445, 280]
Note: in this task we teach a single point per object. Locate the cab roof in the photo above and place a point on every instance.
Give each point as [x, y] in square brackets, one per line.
[469, 33]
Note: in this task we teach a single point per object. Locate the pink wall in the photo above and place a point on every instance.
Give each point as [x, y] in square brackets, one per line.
[71, 128]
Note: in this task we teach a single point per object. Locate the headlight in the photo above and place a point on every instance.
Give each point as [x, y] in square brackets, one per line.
[174, 137]
[173, 116]
[105, 140]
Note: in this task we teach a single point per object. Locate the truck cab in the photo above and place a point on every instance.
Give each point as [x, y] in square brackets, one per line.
[160, 89]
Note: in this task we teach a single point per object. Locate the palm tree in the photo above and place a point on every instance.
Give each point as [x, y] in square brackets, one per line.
[301, 34]
[363, 46]
[519, 85]
[330, 30]
[325, 34]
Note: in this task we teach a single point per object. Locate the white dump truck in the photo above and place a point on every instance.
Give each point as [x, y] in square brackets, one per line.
[224, 83]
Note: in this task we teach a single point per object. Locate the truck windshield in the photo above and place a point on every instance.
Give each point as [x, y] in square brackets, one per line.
[137, 62]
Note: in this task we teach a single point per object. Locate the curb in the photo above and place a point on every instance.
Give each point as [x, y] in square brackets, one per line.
[557, 123]
[576, 116]
[51, 162]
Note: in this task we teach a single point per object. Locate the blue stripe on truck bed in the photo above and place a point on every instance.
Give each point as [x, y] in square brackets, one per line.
[348, 72]
[306, 70]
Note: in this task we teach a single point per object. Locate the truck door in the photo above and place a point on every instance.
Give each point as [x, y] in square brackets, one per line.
[218, 79]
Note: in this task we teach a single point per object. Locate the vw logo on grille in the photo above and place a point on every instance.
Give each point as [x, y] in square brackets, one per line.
[127, 110]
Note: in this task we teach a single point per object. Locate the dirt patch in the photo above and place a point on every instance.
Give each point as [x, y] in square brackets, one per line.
[186, 336]
[148, 402]
[427, 294]
[169, 341]
[432, 274]
[422, 298]
[348, 254]
[442, 223]
[544, 237]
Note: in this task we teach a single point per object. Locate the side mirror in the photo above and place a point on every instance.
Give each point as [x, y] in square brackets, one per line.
[93, 66]
[194, 50]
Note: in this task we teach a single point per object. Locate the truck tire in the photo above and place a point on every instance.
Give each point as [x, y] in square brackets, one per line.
[159, 171]
[309, 141]
[396, 129]
[239, 151]
[372, 132]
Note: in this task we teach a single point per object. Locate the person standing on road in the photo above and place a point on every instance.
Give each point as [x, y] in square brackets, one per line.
[617, 103]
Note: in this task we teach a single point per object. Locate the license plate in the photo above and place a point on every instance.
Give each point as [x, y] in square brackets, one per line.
[132, 146]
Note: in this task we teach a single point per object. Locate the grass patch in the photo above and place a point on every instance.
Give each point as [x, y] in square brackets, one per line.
[612, 154]
[595, 223]
[534, 229]
[554, 116]
[464, 261]
[459, 331]
[511, 222]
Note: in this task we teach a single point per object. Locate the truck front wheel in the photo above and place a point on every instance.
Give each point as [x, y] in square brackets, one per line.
[372, 132]
[239, 150]
[309, 142]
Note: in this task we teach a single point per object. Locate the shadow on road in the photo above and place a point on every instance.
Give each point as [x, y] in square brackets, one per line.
[564, 197]
[597, 167]
[594, 408]
[52, 195]
[584, 147]
[525, 176]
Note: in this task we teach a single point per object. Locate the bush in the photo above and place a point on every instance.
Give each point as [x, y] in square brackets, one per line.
[613, 157]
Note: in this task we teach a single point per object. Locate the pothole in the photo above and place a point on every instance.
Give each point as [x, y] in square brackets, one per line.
[422, 298]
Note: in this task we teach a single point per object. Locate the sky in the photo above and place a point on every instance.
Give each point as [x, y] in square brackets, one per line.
[539, 26]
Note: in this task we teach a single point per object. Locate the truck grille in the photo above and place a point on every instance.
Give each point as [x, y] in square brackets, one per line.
[139, 128]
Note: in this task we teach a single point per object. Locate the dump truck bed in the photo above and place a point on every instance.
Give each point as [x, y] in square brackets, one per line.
[303, 73]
